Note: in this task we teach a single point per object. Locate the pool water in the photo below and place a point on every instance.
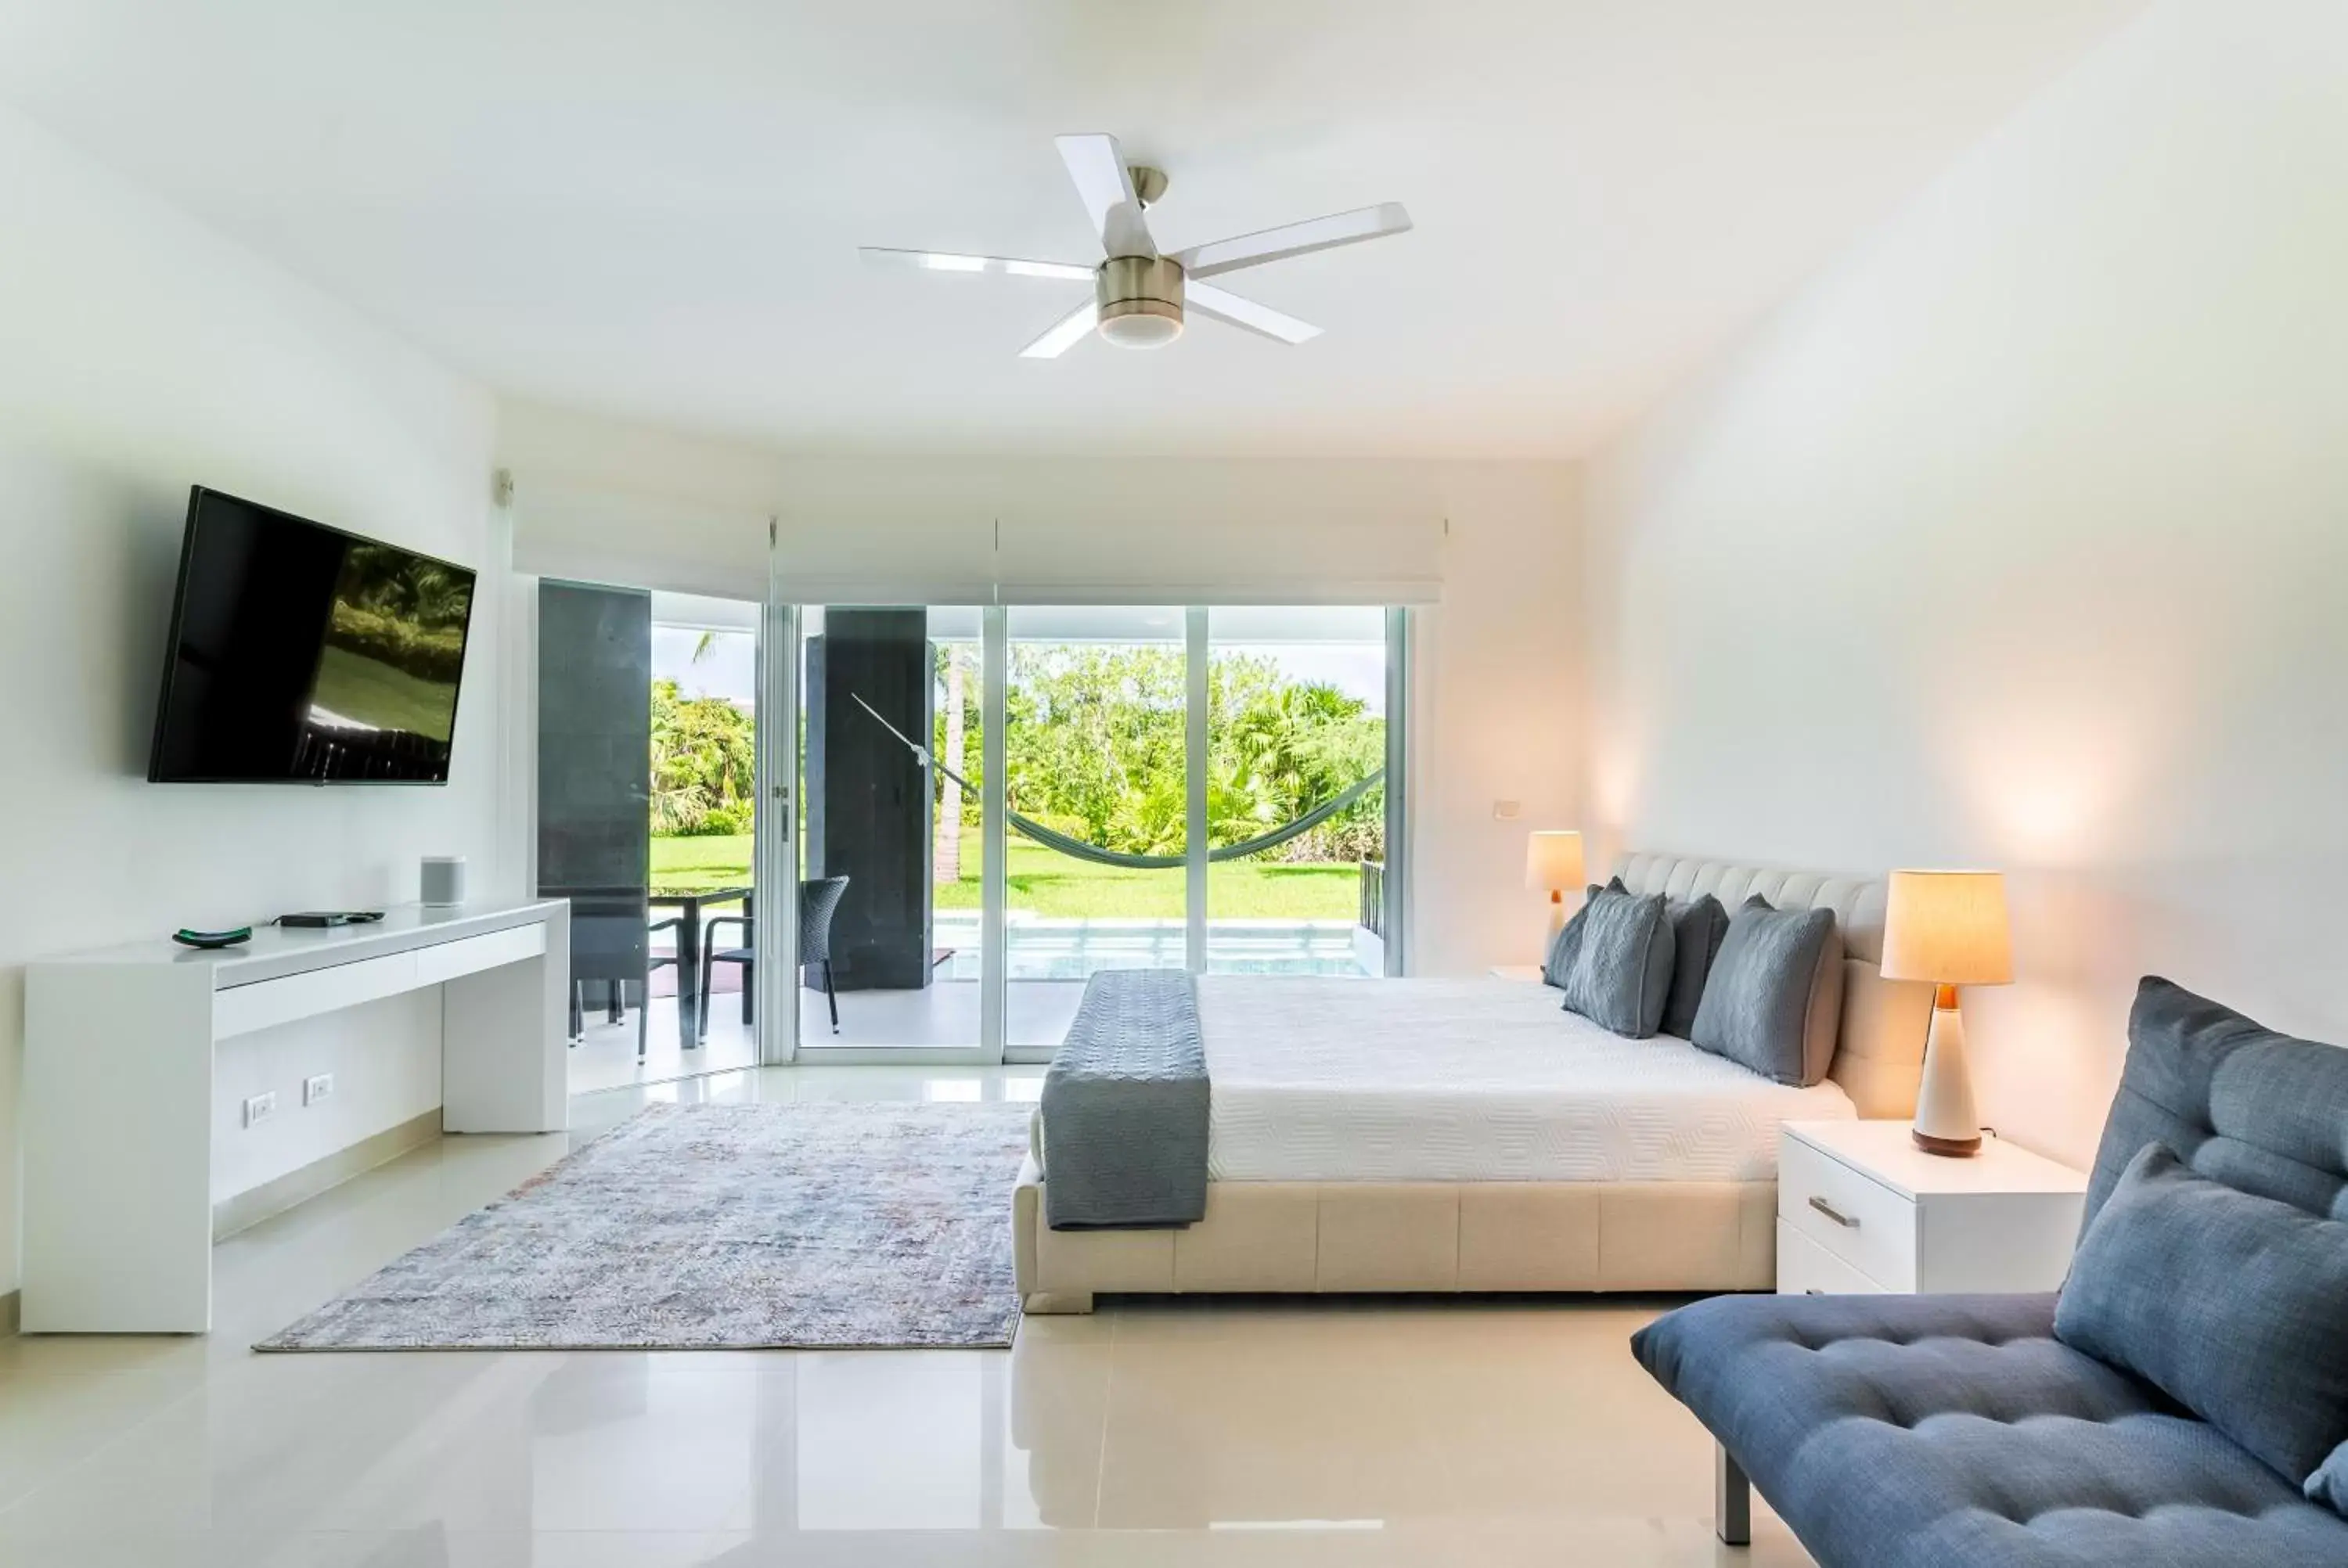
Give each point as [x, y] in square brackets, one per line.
[1069, 949]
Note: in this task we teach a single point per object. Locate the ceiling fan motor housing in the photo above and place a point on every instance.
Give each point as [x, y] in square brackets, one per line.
[1140, 300]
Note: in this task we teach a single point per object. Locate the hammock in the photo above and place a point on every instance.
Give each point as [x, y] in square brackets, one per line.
[1078, 849]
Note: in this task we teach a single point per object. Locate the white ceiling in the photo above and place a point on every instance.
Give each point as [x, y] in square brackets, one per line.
[652, 210]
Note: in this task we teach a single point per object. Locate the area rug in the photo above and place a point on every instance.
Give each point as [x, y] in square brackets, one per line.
[697, 1227]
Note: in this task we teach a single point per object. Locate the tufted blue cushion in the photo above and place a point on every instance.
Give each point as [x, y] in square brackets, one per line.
[2261, 1112]
[1927, 1432]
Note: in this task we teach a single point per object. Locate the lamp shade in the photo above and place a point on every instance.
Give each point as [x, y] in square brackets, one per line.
[1948, 928]
[1553, 861]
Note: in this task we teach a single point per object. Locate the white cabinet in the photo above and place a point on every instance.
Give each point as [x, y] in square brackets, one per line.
[1862, 1209]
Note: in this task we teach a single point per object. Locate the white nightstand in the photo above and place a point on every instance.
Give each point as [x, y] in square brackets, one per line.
[1524, 974]
[1862, 1210]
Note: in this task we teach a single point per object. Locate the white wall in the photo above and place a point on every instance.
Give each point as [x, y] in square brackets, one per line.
[1497, 694]
[140, 354]
[2019, 539]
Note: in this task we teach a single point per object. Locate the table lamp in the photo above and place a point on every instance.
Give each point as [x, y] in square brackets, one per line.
[1553, 861]
[1948, 928]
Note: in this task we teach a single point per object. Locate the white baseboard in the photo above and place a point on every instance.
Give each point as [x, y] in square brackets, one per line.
[248, 1209]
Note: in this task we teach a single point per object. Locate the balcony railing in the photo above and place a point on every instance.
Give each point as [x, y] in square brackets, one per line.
[1373, 898]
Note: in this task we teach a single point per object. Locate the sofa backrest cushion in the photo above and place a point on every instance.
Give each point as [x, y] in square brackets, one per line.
[2234, 1306]
[2237, 1102]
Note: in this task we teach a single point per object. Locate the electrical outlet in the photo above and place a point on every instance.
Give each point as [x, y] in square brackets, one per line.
[1508, 810]
[316, 1089]
[260, 1108]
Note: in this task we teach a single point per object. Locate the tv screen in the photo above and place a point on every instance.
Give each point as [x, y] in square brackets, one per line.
[302, 654]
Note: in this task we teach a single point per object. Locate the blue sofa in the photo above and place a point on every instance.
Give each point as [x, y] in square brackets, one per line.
[1947, 1431]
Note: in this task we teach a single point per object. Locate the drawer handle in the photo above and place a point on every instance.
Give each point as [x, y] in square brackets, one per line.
[1847, 1222]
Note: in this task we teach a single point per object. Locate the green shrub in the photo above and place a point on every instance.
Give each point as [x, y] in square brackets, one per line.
[719, 821]
[428, 653]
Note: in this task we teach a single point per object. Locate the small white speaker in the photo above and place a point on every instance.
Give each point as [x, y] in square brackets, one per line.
[444, 880]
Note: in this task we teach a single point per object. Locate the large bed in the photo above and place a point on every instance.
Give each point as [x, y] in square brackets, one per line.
[1471, 1135]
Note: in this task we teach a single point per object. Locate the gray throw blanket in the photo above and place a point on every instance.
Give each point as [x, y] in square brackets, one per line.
[1125, 1107]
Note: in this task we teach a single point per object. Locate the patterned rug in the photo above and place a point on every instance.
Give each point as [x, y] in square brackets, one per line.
[700, 1228]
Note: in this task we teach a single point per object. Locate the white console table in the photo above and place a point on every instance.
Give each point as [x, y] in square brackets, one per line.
[117, 1085]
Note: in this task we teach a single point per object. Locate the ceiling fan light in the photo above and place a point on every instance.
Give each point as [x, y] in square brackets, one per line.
[1142, 324]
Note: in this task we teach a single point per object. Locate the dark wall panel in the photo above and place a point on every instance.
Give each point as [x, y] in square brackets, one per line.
[594, 765]
[868, 800]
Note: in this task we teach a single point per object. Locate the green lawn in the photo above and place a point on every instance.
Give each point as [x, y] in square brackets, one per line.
[1052, 883]
[372, 692]
[720, 860]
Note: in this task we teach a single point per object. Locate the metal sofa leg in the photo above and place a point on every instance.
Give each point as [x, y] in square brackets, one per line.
[1057, 1303]
[1732, 1498]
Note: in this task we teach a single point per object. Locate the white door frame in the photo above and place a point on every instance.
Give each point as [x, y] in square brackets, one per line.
[774, 850]
[804, 1047]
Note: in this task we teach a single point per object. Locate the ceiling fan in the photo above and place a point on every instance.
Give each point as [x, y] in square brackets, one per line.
[1139, 296]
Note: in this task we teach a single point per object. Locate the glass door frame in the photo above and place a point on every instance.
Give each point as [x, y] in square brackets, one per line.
[775, 829]
[781, 1041]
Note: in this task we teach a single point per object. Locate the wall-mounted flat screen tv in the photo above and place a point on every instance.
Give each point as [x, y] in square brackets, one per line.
[302, 654]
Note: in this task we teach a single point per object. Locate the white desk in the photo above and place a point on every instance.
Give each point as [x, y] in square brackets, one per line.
[118, 1098]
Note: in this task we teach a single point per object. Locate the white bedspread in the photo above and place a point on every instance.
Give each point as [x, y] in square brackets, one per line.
[1325, 1080]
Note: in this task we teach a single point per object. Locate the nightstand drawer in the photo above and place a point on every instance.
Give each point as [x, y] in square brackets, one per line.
[1861, 1222]
[1805, 1268]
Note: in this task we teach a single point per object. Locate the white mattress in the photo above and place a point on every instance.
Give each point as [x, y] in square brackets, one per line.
[1327, 1080]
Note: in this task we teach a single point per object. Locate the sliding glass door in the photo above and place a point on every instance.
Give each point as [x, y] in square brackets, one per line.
[1096, 774]
[1296, 793]
[887, 861]
[985, 807]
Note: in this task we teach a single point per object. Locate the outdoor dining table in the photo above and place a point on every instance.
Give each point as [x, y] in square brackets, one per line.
[691, 902]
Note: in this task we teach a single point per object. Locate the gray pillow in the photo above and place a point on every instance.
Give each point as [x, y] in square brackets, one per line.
[1562, 947]
[2231, 1303]
[1697, 927]
[1773, 1001]
[1624, 966]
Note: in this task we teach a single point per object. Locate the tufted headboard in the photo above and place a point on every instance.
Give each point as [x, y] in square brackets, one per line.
[1879, 1054]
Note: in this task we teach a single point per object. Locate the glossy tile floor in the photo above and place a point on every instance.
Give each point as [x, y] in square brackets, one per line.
[1257, 1432]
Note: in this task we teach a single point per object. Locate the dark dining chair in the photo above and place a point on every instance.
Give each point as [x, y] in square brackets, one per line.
[819, 902]
[610, 946]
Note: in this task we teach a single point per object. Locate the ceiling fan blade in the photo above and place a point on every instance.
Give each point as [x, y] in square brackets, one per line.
[1295, 240]
[1096, 163]
[947, 262]
[1065, 333]
[1225, 306]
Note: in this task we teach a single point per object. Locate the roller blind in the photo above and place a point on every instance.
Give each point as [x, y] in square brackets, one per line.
[1087, 552]
[638, 541]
